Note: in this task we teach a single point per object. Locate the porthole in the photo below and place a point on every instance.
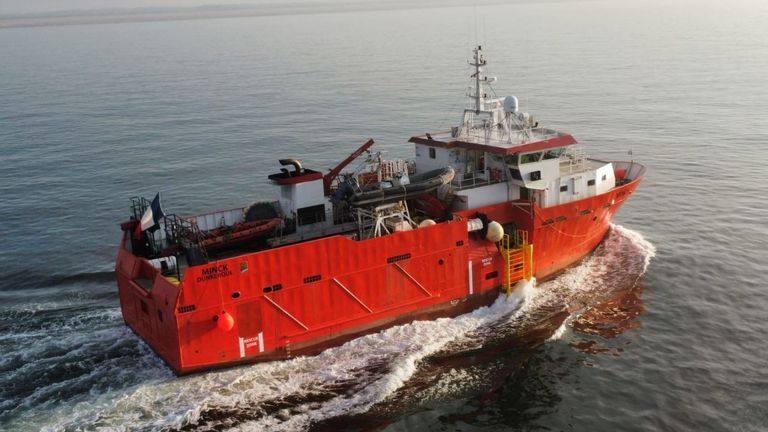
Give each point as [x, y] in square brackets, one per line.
[236, 295]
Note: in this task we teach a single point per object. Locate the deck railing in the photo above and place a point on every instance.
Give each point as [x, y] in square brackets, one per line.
[517, 253]
[573, 162]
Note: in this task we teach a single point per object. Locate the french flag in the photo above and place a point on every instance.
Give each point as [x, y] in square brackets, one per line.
[150, 220]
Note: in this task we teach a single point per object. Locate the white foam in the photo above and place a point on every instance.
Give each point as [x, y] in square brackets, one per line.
[523, 290]
[620, 261]
[340, 381]
[371, 368]
[561, 331]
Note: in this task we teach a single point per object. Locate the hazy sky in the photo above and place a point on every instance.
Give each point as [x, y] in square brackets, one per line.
[34, 6]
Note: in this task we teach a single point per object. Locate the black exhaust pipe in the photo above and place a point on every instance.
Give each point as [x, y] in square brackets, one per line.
[296, 164]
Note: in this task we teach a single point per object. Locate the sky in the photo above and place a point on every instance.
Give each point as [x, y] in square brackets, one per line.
[9, 7]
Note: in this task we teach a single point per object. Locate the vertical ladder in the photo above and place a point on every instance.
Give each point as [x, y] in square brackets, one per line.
[518, 259]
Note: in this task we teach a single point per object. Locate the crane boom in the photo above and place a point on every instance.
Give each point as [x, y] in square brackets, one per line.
[328, 178]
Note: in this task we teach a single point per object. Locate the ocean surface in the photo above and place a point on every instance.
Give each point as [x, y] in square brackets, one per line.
[662, 328]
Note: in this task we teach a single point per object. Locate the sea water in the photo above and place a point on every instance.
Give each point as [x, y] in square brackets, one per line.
[661, 329]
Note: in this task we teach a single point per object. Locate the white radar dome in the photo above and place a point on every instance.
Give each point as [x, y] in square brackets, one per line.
[510, 104]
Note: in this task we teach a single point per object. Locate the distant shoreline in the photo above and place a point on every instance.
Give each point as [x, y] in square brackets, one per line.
[112, 16]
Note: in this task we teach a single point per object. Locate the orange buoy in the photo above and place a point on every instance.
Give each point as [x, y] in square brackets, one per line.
[225, 321]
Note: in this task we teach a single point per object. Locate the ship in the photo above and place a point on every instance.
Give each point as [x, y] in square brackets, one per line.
[494, 202]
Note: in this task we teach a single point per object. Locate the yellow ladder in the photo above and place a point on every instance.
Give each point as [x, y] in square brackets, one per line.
[518, 261]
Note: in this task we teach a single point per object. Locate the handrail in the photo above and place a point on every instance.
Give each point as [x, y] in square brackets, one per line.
[518, 260]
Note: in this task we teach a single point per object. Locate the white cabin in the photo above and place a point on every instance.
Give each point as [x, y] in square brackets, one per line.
[501, 154]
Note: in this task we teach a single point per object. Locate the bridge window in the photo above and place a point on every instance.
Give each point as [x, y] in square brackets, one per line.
[591, 182]
[554, 153]
[432, 153]
[511, 159]
[564, 188]
[530, 157]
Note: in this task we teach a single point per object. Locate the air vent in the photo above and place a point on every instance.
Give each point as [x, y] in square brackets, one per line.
[535, 175]
[313, 278]
[187, 308]
[397, 258]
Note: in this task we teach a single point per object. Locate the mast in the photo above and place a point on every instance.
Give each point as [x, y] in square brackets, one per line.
[471, 116]
[479, 62]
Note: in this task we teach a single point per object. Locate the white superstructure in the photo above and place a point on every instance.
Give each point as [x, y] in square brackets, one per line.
[501, 154]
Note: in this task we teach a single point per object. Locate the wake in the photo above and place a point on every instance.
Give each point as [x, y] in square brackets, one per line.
[349, 379]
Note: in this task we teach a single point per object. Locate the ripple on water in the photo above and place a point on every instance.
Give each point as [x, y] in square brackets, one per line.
[106, 377]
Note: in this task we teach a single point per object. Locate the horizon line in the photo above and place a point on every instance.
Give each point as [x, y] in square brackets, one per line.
[234, 10]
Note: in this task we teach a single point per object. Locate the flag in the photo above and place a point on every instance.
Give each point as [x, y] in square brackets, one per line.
[150, 220]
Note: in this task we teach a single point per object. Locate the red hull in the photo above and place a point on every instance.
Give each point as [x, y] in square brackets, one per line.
[301, 298]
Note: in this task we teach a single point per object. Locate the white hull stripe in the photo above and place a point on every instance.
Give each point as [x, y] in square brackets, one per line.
[471, 286]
